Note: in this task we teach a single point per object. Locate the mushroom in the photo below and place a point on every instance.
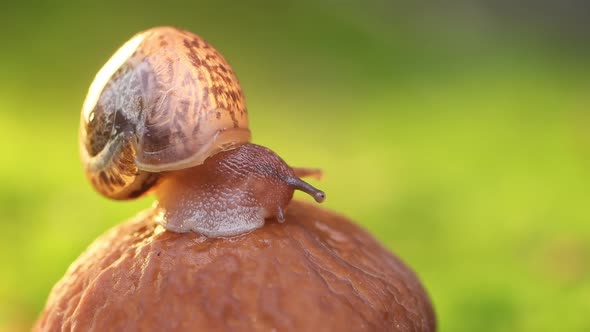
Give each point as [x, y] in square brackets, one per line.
[318, 272]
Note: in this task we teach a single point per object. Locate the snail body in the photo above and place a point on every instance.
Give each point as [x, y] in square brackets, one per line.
[245, 185]
[166, 114]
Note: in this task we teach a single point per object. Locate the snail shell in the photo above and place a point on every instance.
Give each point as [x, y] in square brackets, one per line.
[166, 100]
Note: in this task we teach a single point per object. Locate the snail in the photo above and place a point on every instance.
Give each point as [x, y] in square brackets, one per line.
[166, 114]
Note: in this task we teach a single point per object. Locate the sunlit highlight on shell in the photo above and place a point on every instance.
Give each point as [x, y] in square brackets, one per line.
[107, 71]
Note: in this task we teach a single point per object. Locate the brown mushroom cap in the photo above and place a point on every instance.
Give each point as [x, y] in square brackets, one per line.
[315, 272]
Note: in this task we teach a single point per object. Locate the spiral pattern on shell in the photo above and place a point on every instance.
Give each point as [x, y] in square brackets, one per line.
[166, 100]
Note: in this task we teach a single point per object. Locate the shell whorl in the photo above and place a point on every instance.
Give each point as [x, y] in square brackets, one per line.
[166, 100]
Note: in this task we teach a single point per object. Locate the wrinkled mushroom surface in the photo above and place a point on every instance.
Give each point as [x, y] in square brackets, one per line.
[315, 272]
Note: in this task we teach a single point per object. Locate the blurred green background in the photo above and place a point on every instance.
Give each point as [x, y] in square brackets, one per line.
[458, 134]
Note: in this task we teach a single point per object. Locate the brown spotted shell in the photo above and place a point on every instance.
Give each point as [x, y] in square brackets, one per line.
[166, 100]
